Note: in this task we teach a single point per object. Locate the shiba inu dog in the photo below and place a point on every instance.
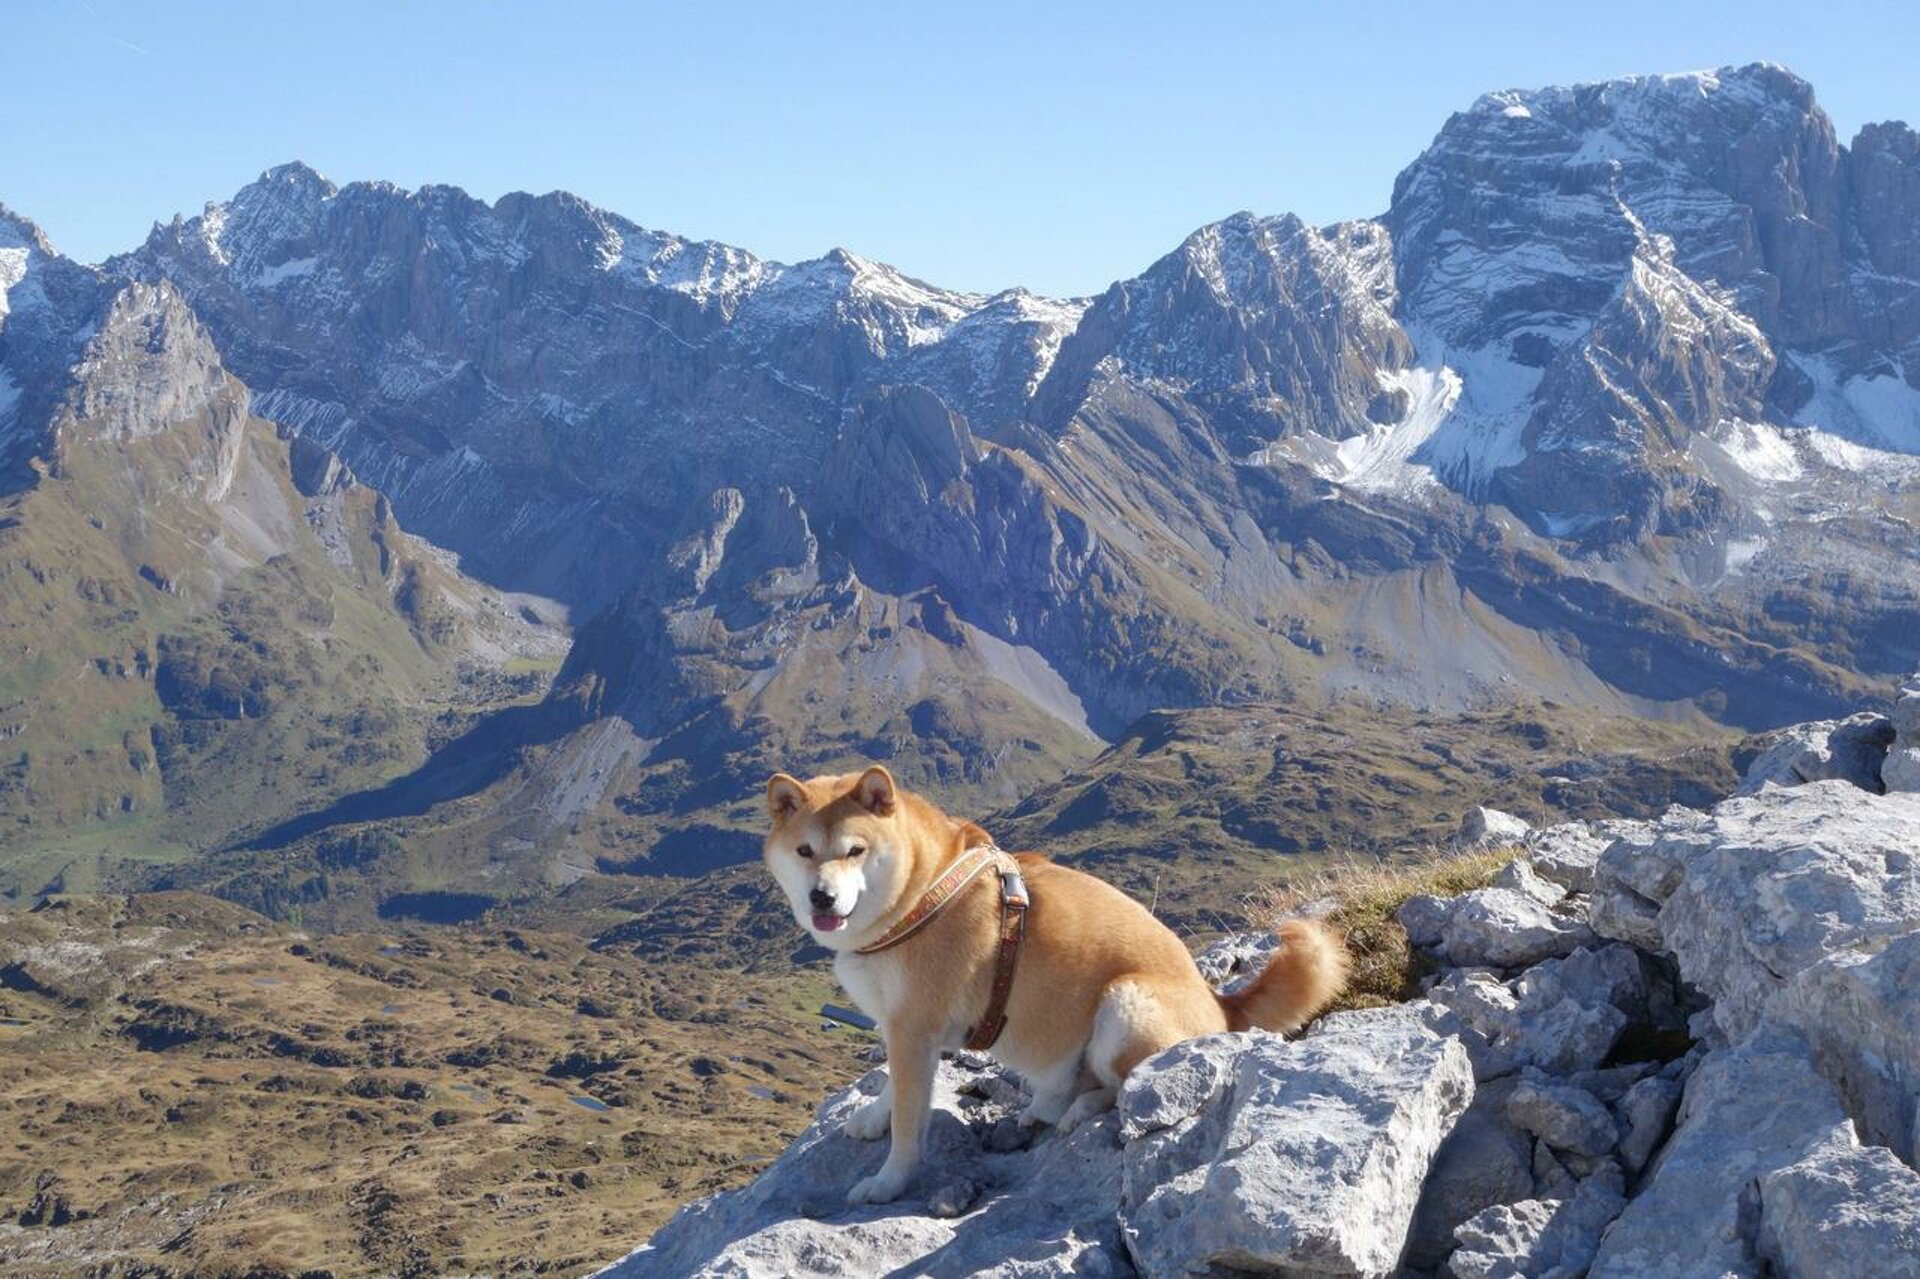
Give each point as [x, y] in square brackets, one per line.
[922, 911]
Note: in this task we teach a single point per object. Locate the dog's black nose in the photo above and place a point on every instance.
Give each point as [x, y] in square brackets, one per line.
[821, 899]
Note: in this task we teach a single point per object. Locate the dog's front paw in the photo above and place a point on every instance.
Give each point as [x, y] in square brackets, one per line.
[870, 1122]
[1088, 1105]
[882, 1188]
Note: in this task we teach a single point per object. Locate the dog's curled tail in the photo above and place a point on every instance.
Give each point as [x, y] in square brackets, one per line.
[1303, 977]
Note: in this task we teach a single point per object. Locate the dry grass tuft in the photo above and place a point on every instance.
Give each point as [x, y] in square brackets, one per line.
[1364, 896]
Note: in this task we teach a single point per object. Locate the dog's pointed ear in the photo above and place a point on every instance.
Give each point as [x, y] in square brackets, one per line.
[874, 791]
[785, 796]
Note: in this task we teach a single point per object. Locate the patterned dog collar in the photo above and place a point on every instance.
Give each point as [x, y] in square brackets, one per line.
[1013, 930]
[965, 869]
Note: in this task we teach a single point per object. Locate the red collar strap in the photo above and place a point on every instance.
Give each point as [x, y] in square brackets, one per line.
[1013, 929]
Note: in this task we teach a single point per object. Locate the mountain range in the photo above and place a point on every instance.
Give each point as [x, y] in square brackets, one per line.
[1615, 410]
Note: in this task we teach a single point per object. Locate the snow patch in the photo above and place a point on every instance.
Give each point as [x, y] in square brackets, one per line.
[13, 269]
[1741, 552]
[1763, 451]
[292, 269]
[1879, 411]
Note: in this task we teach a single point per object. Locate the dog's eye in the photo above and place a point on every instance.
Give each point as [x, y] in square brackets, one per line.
[857, 850]
[805, 851]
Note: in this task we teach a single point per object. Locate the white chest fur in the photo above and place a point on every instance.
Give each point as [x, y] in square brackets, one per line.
[877, 983]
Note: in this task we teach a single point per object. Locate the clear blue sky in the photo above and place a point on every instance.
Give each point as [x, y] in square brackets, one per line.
[977, 145]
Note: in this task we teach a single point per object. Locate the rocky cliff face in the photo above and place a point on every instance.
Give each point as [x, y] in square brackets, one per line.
[1675, 1047]
[206, 625]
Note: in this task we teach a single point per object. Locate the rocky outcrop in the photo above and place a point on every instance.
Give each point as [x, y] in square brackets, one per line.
[1850, 750]
[1304, 1158]
[1236, 1150]
[1722, 1079]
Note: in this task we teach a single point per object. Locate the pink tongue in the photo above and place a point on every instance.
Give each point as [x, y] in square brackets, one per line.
[827, 921]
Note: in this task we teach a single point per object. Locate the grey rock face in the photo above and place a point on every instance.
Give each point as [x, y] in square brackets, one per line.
[1538, 1238]
[1749, 1111]
[1851, 750]
[1273, 326]
[1569, 1012]
[1566, 853]
[1567, 1118]
[1773, 884]
[49, 307]
[150, 369]
[1509, 928]
[1484, 1161]
[1840, 1212]
[1048, 1211]
[1310, 1157]
[1861, 1012]
[1900, 771]
[1646, 1117]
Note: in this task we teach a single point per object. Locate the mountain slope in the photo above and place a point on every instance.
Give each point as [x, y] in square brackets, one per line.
[207, 625]
[1611, 407]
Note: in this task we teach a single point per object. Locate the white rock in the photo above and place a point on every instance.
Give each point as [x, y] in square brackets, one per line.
[1539, 1239]
[1774, 883]
[1900, 771]
[1634, 876]
[1568, 1119]
[1491, 828]
[1848, 750]
[1566, 853]
[1484, 1161]
[1047, 1211]
[1499, 1242]
[1304, 1157]
[1646, 1114]
[1506, 928]
[1569, 1012]
[1748, 1111]
[1477, 1007]
[1520, 876]
[1236, 958]
[1424, 916]
[1861, 1013]
[1842, 1213]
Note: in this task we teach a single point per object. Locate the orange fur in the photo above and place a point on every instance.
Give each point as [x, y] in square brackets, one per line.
[1101, 984]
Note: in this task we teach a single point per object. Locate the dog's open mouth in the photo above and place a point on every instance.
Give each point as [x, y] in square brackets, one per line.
[826, 921]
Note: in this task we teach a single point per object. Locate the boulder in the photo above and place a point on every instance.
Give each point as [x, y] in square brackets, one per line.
[1569, 1012]
[1747, 1111]
[1635, 874]
[1509, 928]
[1774, 883]
[1562, 1015]
[1569, 1119]
[1841, 1213]
[1645, 1117]
[1500, 1242]
[1900, 771]
[1249, 1152]
[1044, 1211]
[1520, 876]
[1424, 916]
[1484, 1161]
[1490, 828]
[1849, 750]
[1861, 1013]
[1566, 854]
[1538, 1238]
[1477, 1008]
